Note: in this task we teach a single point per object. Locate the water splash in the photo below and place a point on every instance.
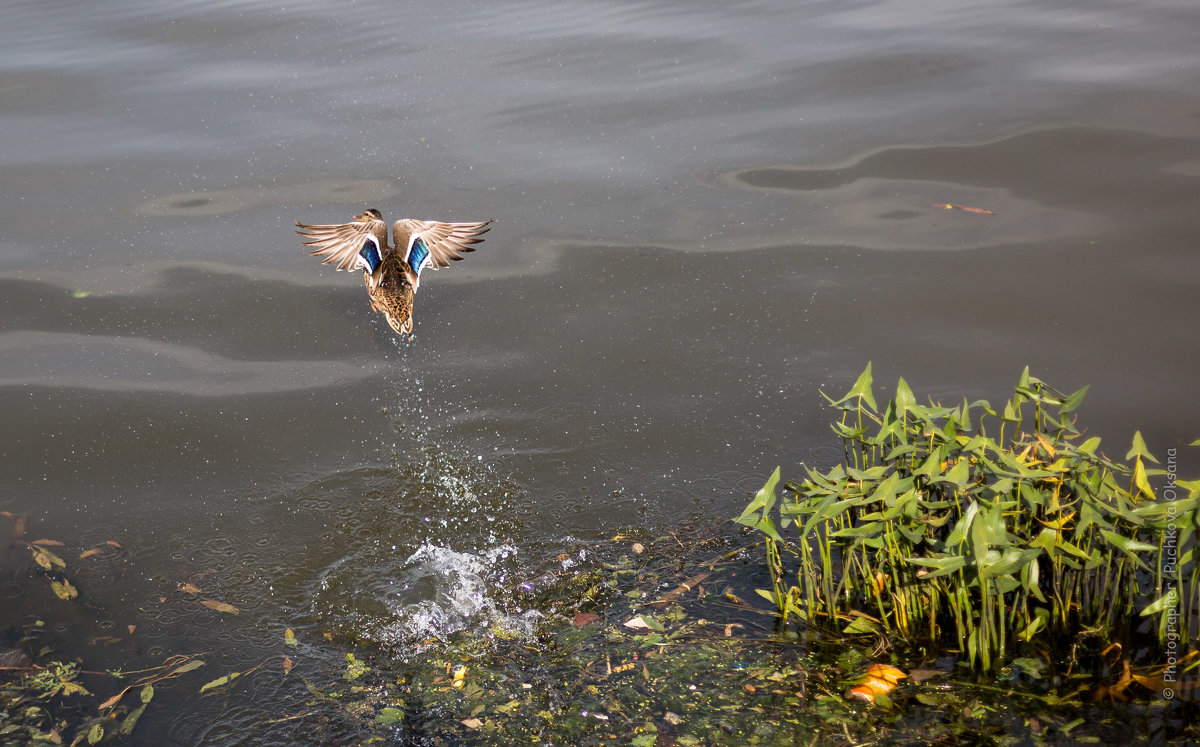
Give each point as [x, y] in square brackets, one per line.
[459, 594]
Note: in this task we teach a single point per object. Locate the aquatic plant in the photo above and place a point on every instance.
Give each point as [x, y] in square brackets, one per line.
[985, 522]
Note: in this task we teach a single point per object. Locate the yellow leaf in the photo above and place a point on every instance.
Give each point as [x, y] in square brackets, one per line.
[289, 637]
[74, 688]
[471, 723]
[219, 606]
[64, 590]
[42, 558]
[221, 681]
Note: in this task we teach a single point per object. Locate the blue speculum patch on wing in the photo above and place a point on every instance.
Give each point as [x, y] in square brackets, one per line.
[417, 255]
[370, 255]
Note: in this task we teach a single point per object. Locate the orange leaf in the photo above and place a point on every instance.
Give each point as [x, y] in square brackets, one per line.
[583, 619]
[113, 543]
[190, 588]
[51, 543]
[89, 553]
[113, 700]
[287, 664]
[886, 673]
[219, 606]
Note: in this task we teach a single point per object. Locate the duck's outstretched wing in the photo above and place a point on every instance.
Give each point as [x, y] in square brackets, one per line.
[358, 244]
[442, 242]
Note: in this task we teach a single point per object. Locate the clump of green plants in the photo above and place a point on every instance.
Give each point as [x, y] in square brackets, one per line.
[996, 524]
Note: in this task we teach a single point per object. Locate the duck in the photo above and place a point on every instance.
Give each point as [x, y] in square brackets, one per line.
[392, 272]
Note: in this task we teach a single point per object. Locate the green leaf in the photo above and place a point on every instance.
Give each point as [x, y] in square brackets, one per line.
[1170, 599]
[1140, 480]
[1010, 560]
[861, 626]
[862, 388]
[1139, 449]
[905, 399]
[388, 716]
[1128, 546]
[354, 668]
[189, 666]
[1073, 399]
[760, 508]
[132, 719]
[959, 534]
[1040, 617]
[945, 565]
[147, 693]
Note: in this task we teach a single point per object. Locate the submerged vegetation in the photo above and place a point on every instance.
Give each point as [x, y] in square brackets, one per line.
[995, 526]
[968, 574]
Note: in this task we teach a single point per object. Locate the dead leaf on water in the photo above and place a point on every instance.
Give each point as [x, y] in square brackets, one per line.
[113, 700]
[131, 628]
[218, 682]
[189, 666]
[682, 589]
[48, 543]
[64, 590]
[289, 637]
[287, 664]
[113, 543]
[964, 208]
[47, 559]
[644, 622]
[583, 619]
[89, 553]
[219, 606]
[471, 723]
[190, 588]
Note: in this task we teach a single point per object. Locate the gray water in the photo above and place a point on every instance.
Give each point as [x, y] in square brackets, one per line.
[706, 214]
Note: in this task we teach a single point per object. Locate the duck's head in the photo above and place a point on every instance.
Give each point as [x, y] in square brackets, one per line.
[368, 215]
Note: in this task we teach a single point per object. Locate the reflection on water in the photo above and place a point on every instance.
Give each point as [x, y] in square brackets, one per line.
[355, 192]
[708, 213]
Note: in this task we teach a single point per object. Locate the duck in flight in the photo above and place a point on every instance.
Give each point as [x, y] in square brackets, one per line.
[392, 272]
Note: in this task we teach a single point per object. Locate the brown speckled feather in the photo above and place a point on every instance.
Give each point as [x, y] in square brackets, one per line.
[393, 297]
[393, 284]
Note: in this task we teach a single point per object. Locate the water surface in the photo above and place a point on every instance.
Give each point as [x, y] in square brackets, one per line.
[706, 213]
